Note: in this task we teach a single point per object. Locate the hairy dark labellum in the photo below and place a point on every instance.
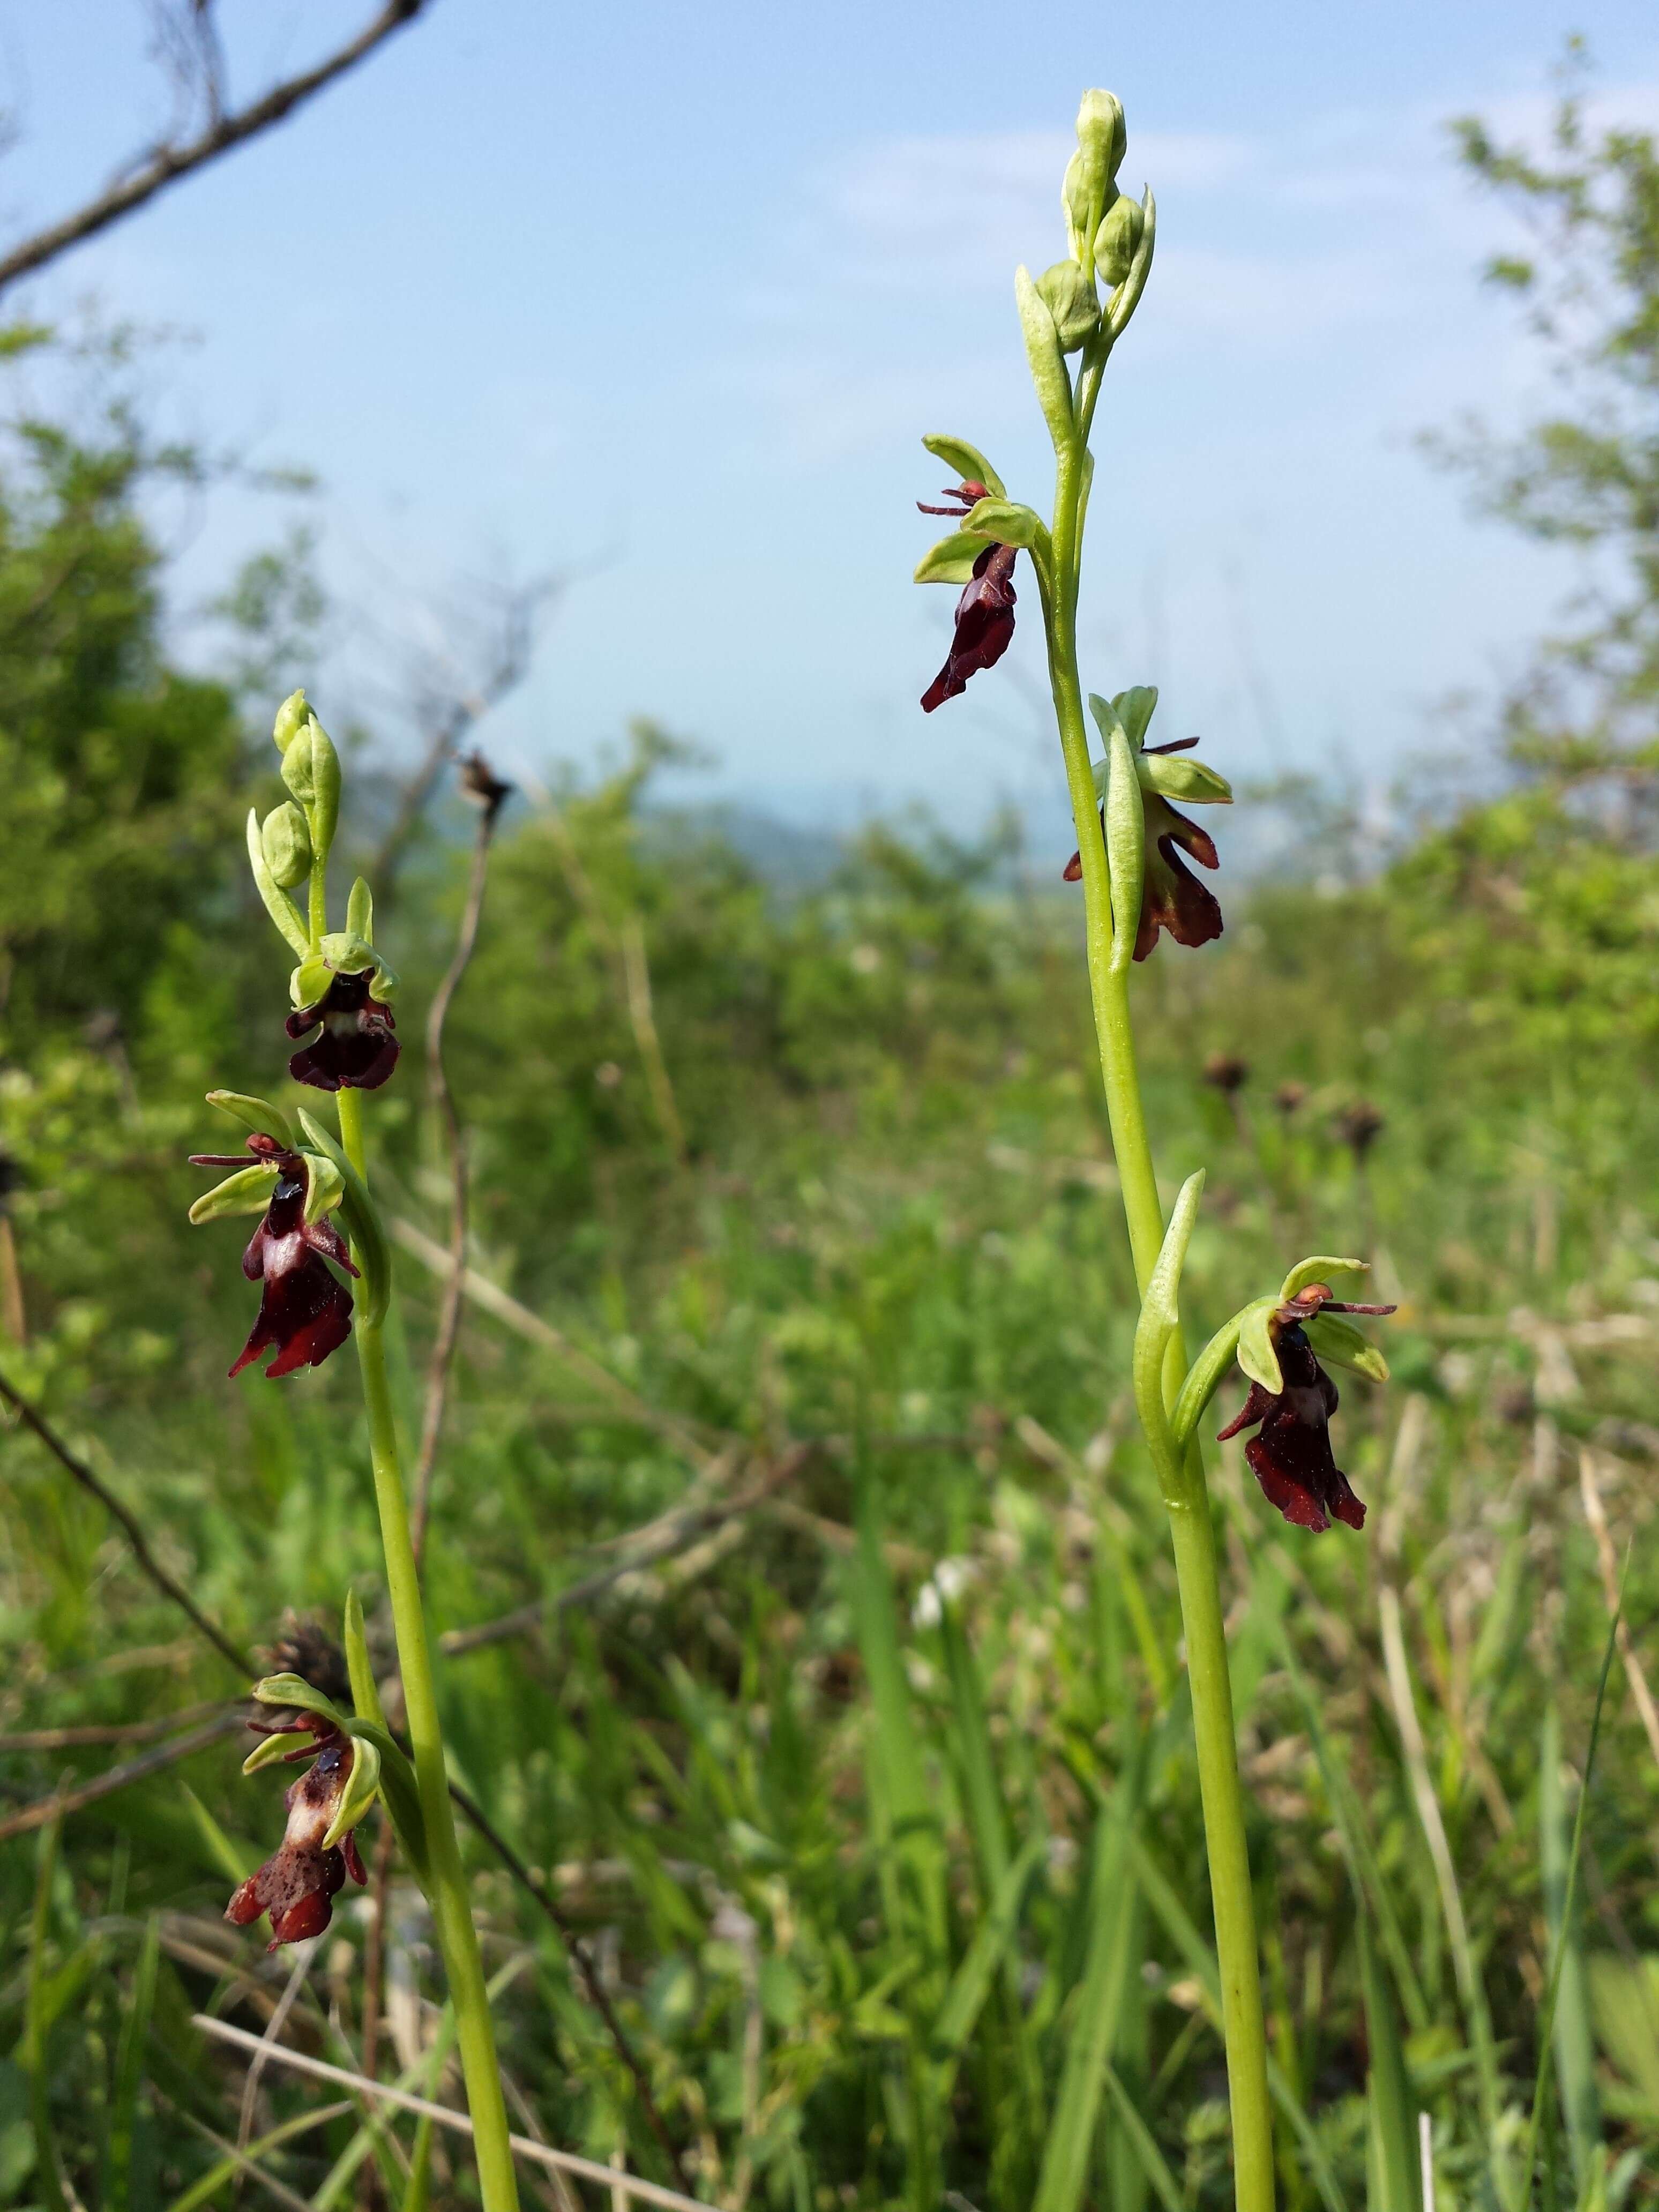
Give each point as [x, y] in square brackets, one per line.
[305, 1310]
[354, 1049]
[1290, 1454]
[298, 1883]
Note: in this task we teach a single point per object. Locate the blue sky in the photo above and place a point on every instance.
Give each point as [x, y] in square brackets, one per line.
[666, 296]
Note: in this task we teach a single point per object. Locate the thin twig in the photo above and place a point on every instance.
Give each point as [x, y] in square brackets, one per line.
[642, 1019]
[303, 1954]
[105, 1785]
[168, 163]
[633, 2184]
[449, 1316]
[672, 1532]
[593, 1981]
[77, 1739]
[147, 1560]
[1596, 1515]
[518, 1317]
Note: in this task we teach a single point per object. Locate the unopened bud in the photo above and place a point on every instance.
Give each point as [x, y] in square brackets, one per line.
[296, 763]
[1102, 135]
[291, 718]
[1070, 298]
[1121, 228]
[286, 843]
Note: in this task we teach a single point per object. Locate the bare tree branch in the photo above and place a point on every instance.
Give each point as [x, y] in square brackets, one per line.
[104, 1785]
[164, 164]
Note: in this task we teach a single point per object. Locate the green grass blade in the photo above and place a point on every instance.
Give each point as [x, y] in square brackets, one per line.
[1574, 2037]
[1153, 2164]
[1547, 2021]
[1395, 2167]
[1107, 1967]
[1180, 1928]
[48, 2166]
[129, 2070]
[203, 2192]
[971, 1982]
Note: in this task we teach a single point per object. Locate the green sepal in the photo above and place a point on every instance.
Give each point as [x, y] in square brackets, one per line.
[365, 1691]
[399, 1787]
[360, 912]
[278, 905]
[285, 841]
[1335, 1338]
[1048, 374]
[1126, 835]
[1178, 775]
[1007, 523]
[258, 1115]
[362, 1787]
[324, 1188]
[1210, 1370]
[271, 1748]
[291, 718]
[1127, 298]
[1072, 300]
[1256, 1354]
[368, 1243]
[1319, 1269]
[951, 561]
[248, 1191]
[294, 1690]
[970, 464]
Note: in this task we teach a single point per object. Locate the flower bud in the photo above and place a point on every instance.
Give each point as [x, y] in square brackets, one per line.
[291, 718]
[1102, 136]
[1070, 298]
[296, 765]
[286, 842]
[1121, 228]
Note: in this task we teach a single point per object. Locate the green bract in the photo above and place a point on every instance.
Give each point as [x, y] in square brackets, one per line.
[310, 769]
[248, 1191]
[1043, 350]
[286, 842]
[360, 912]
[365, 1691]
[1126, 836]
[278, 905]
[1127, 298]
[1072, 300]
[968, 462]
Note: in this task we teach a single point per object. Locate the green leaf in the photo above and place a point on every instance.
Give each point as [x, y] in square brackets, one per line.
[258, 1115]
[365, 1691]
[1337, 1340]
[294, 1690]
[368, 1241]
[970, 1985]
[248, 1191]
[1575, 2037]
[1135, 708]
[1053, 385]
[1256, 1353]
[966, 461]
[1395, 2184]
[278, 905]
[1093, 2027]
[1319, 1269]
[129, 2070]
[362, 1787]
[951, 561]
[271, 1750]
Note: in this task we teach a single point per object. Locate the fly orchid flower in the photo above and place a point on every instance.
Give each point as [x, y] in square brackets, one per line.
[305, 1310]
[1172, 897]
[341, 991]
[984, 612]
[298, 1883]
[1290, 1454]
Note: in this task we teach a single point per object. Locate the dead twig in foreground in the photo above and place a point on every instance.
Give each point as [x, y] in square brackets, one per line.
[562, 2161]
[118, 1778]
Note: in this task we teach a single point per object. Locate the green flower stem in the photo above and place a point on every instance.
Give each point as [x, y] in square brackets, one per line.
[1192, 1532]
[452, 1911]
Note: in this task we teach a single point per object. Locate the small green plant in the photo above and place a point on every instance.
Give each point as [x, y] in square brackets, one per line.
[295, 1182]
[1135, 887]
